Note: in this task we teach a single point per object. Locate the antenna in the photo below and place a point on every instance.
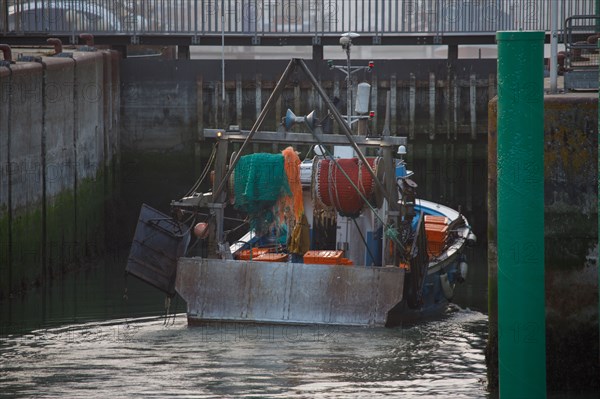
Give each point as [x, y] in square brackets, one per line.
[364, 91]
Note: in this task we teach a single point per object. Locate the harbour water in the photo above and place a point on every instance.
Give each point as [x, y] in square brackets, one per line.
[125, 350]
[96, 333]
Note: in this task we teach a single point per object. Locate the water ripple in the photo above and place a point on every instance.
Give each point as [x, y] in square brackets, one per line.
[143, 357]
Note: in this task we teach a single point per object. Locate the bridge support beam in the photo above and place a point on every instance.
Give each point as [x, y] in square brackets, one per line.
[317, 52]
[183, 52]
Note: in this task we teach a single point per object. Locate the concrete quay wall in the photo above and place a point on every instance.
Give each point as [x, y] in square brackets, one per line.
[570, 240]
[59, 153]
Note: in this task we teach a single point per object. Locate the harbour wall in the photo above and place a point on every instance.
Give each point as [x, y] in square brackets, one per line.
[433, 98]
[59, 157]
[571, 242]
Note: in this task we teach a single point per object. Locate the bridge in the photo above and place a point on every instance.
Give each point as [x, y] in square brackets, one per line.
[282, 22]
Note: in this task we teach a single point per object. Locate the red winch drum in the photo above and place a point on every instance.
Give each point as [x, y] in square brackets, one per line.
[334, 189]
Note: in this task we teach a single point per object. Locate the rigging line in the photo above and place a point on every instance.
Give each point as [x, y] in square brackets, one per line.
[204, 173]
[226, 233]
[206, 170]
[191, 226]
[198, 182]
[364, 240]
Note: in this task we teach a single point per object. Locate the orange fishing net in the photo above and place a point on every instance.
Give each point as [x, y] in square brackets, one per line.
[292, 204]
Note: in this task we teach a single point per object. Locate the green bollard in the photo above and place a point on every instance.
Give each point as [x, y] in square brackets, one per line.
[521, 305]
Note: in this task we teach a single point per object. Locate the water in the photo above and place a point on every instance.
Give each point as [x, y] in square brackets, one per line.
[83, 336]
[147, 358]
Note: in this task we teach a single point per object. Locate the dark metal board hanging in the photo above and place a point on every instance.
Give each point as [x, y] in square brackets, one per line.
[158, 242]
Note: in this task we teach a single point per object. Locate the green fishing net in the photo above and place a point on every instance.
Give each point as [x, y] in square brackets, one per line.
[259, 181]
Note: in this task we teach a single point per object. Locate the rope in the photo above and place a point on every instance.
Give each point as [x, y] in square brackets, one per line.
[294, 201]
[167, 307]
[205, 172]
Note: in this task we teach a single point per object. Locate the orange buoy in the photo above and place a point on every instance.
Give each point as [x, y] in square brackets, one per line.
[201, 230]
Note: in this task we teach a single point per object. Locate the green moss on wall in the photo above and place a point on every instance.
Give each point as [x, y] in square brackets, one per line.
[568, 239]
[75, 226]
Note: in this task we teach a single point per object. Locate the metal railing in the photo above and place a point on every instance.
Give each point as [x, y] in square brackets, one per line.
[276, 17]
[581, 42]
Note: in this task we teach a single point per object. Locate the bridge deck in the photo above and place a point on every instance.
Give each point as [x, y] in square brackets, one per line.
[278, 22]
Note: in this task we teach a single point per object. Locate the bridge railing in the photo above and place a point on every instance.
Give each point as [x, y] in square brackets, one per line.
[276, 17]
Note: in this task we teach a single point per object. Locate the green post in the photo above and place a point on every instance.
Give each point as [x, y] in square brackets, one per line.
[521, 305]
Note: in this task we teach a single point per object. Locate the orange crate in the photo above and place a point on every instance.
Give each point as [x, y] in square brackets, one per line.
[436, 232]
[245, 254]
[435, 248]
[326, 257]
[436, 219]
[346, 261]
[272, 257]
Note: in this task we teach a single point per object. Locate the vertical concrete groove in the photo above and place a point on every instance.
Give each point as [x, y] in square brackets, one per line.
[393, 102]
[9, 180]
[278, 109]
[445, 166]
[319, 100]
[412, 105]
[200, 122]
[450, 174]
[44, 228]
[491, 86]
[448, 107]
[107, 82]
[214, 119]
[44, 167]
[298, 110]
[238, 99]
[431, 105]
[430, 170]
[473, 104]
[200, 106]
[455, 106]
[225, 105]
[469, 172]
[258, 95]
[258, 103]
[75, 155]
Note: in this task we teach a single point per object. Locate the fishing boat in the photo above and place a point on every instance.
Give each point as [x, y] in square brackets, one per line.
[335, 238]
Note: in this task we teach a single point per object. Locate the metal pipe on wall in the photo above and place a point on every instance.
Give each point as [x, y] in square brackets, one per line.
[554, 47]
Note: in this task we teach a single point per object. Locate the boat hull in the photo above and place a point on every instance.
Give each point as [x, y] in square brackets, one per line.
[291, 293]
